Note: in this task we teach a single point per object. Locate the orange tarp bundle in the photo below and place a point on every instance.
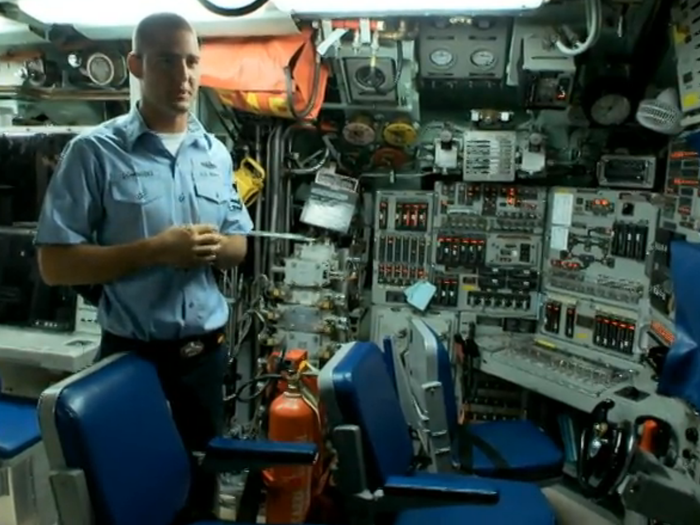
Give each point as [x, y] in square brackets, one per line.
[249, 73]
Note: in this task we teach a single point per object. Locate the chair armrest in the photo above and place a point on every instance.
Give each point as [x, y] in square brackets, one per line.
[404, 492]
[228, 455]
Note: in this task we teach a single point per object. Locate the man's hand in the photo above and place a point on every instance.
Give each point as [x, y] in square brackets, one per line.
[189, 246]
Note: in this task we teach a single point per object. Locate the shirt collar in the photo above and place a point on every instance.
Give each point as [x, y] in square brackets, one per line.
[135, 127]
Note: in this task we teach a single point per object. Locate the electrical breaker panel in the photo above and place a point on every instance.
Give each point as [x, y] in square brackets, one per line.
[402, 243]
[487, 244]
[596, 280]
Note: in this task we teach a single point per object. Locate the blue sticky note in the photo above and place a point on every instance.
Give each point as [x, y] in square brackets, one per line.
[419, 294]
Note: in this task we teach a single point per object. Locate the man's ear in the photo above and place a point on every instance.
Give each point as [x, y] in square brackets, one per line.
[135, 64]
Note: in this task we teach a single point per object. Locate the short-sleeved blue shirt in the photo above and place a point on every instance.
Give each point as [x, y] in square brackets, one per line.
[117, 184]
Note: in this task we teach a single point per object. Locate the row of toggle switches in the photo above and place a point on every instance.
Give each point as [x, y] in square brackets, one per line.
[609, 332]
[499, 300]
[629, 241]
[402, 249]
[454, 251]
[399, 274]
[614, 333]
[408, 216]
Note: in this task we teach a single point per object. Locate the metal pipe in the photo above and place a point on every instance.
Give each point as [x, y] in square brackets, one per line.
[257, 243]
[288, 214]
[356, 107]
[275, 171]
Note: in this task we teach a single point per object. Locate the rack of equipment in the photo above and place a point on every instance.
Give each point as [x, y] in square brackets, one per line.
[487, 251]
[312, 302]
[679, 220]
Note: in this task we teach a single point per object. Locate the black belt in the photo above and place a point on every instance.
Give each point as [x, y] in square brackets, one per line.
[165, 349]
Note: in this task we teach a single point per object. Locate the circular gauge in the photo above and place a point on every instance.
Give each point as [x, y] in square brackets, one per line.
[483, 58]
[441, 58]
[389, 158]
[611, 110]
[74, 60]
[359, 132]
[100, 69]
[370, 77]
[399, 134]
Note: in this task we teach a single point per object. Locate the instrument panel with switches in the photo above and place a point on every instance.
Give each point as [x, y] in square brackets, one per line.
[679, 221]
[402, 243]
[680, 209]
[592, 325]
[488, 246]
[599, 242]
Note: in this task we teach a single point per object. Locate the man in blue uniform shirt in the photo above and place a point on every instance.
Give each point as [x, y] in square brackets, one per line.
[144, 206]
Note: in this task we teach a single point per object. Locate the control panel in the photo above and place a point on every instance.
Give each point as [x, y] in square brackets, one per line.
[402, 243]
[598, 245]
[488, 248]
[596, 277]
[592, 324]
[679, 221]
[548, 366]
[86, 318]
[681, 206]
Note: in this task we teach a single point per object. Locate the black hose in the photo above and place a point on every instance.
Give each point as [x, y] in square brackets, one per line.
[266, 378]
[289, 85]
[233, 12]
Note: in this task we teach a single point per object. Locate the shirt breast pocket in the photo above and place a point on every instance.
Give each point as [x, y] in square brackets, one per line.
[140, 209]
[211, 201]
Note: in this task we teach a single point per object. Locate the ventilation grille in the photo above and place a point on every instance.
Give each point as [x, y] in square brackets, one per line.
[489, 156]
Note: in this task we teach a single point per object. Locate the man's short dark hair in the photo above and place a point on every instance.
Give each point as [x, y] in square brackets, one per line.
[153, 25]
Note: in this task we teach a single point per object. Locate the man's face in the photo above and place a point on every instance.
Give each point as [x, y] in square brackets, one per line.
[170, 75]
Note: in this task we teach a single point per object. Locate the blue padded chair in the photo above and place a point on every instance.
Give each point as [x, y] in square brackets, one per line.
[376, 453]
[516, 450]
[19, 428]
[115, 452]
[22, 463]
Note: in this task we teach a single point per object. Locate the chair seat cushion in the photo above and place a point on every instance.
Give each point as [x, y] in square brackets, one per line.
[525, 451]
[19, 426]
[519, 504]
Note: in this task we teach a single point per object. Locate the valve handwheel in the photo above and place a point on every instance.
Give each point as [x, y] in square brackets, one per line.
[605, 451]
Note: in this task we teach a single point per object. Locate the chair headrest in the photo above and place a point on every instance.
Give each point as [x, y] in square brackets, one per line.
[113, 422]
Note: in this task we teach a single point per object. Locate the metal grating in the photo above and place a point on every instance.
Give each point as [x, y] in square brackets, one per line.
[489, 156]
[686, 39]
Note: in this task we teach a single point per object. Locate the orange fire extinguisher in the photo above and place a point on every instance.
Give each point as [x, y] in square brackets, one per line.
[292, 419]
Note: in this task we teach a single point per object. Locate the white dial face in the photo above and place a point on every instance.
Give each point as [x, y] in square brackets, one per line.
[441, 57]
[611, 110]
[483, 58]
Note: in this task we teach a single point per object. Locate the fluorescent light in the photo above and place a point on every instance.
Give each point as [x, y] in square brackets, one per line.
[340, 8]
[94, 13]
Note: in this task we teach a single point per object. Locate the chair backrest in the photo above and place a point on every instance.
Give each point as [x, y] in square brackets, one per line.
[356, 384]
[446, 379]
[112, 423]
[430, 361]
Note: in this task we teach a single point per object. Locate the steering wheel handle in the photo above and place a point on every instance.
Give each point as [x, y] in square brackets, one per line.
[602, 410]
[603, 451]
